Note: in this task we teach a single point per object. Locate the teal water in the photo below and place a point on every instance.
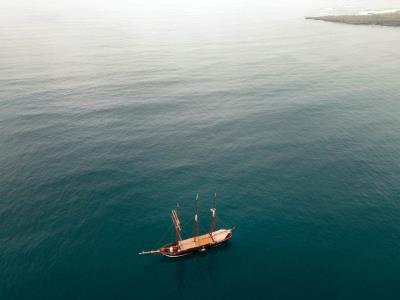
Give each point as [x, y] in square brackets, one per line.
[110, 116]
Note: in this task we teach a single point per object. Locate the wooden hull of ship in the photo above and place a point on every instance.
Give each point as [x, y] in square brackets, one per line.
[200, 244]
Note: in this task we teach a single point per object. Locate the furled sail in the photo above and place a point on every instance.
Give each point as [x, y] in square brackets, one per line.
[177, 223]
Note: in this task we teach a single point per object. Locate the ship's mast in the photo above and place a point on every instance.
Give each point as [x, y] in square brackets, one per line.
[177, 222]
[214, 214]
[196, 218]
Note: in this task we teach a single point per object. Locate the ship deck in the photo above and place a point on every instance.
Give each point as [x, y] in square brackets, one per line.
[202, 240]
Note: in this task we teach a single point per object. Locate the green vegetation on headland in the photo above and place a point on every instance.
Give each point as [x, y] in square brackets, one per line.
[383, 19]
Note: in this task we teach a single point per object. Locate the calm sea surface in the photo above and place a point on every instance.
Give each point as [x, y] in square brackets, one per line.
[110, 113]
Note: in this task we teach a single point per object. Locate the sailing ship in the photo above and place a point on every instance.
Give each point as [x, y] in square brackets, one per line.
[197, 243]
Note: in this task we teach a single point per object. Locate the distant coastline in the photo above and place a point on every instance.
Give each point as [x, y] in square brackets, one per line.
[383, 19]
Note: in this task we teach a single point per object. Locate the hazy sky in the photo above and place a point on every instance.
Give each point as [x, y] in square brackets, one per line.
[160, 8]
[176, 15]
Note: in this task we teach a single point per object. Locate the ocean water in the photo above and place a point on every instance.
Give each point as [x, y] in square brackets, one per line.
[110, 113]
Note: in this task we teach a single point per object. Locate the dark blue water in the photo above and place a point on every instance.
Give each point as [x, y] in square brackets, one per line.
[108, 119]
